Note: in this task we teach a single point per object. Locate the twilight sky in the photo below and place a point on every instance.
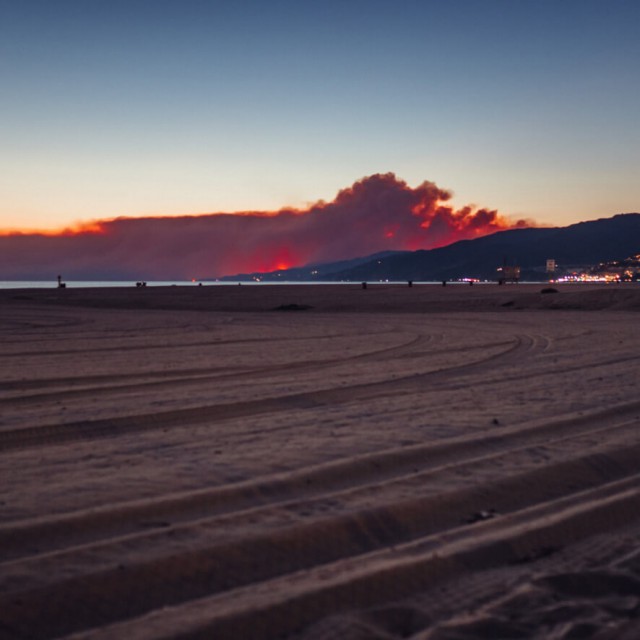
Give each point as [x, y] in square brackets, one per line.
[156, 107]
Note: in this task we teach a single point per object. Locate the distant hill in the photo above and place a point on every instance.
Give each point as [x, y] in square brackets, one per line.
[578, 245]
[311, 272]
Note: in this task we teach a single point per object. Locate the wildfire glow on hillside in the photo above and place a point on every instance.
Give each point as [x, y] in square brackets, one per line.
[377, 213]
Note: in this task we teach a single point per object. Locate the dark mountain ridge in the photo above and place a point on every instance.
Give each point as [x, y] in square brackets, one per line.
[310, 272]
[578, 245]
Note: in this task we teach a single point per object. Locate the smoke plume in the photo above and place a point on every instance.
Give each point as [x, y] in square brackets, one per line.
[377, 213]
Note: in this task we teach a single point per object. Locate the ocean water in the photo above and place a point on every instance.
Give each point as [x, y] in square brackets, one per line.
[86, 284]
[77, 284]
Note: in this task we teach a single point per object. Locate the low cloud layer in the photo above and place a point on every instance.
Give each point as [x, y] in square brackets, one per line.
[380, 212]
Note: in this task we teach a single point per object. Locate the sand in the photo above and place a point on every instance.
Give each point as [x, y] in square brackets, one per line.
[428, 462]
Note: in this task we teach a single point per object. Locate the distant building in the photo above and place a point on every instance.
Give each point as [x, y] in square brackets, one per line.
[508, 274]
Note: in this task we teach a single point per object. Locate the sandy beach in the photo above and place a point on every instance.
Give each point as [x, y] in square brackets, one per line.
[320, 462]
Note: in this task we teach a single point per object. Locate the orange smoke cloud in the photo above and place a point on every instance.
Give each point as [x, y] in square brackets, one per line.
[377, 213]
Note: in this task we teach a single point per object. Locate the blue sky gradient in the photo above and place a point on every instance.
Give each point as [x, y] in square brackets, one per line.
[164, 108]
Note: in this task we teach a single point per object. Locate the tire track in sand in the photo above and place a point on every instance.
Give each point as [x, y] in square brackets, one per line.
[283, 606]
[110, 427]
[171, 379]
[353, 473]
[392, 542]
[220, 574]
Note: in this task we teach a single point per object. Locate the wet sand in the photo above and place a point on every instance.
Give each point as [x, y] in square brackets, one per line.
[427, 462]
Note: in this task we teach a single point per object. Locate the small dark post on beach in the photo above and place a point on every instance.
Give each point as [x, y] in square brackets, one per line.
[364, 285]
[444, 283]
[61, 285]
[411, 283]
